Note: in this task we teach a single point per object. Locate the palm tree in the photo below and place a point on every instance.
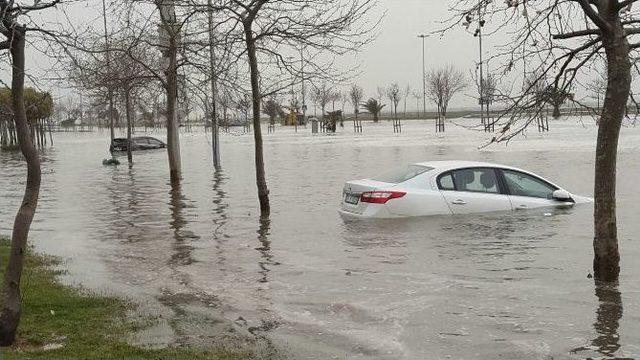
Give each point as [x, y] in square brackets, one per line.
[272, 108]
[374, 107]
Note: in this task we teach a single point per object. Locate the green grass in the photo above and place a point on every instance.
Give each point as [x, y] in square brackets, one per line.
[88, 326]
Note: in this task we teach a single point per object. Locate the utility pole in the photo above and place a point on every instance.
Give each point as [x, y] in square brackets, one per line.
[304, 103]
[108, 58]
[424, 80]
[478, 34]
[215, 140]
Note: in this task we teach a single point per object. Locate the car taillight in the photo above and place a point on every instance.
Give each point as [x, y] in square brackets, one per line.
[380, 197]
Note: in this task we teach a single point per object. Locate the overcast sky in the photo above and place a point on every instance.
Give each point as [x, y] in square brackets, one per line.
[395, 56]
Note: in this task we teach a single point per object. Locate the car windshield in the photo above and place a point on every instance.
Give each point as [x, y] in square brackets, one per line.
[403, 174]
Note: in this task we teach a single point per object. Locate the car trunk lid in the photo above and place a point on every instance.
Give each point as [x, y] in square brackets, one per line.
[353, 189]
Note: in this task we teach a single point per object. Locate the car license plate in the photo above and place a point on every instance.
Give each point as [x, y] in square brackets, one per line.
[351, 199]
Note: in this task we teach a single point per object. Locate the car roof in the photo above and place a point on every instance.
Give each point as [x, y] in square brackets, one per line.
[444, 165]
[136, 137]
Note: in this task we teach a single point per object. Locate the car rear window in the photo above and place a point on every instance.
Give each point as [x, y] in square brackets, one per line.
[403, 174]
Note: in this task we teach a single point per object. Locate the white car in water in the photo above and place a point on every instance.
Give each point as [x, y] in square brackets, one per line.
[451, 187]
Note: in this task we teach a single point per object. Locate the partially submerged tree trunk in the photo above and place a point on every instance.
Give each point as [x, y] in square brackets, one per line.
[606, 261]
[11, 310]
[215, 138]
[112, 131]
[261, 182]
[128, 110]
[173, 130]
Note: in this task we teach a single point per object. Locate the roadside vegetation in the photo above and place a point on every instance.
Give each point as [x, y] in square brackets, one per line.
[61, 322]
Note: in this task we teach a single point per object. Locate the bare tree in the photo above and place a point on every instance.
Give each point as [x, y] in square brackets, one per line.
[120, 75]
[394, 94]
[442, 85]
[243, 104]
[356, 94]
[14, 39]
[418, 96]
[170, 38]
[556, 98]
[344, 99]
[564, 40]
[407, 93]
[597, 89]
[336, 95]
[273, 27]
[381, 91]
[487, 92]
[215, 136]
[322, 95]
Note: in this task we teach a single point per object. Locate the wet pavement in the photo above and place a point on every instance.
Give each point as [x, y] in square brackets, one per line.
[502, 285]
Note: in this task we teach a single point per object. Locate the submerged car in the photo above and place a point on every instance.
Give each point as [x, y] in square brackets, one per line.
[137, 143]
[451, 187]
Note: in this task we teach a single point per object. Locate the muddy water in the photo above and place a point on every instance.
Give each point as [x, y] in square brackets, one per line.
[466, 287]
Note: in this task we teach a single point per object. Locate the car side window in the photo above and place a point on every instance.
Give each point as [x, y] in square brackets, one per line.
[445, 182]
[476, 180]
[521, 184]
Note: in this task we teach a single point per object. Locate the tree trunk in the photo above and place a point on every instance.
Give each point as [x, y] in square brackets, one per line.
[556, 111]
[127, 103]
[11, 310]
[405, 107]
[112, 131]
[215, 138]
[263, 191]
[173, 130]
[48, 120]
[606, 261]
[4, 134]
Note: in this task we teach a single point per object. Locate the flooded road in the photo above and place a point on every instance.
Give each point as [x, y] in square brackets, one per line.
[510, 286]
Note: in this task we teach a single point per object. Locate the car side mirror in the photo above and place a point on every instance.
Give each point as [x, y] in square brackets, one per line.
[562, 195]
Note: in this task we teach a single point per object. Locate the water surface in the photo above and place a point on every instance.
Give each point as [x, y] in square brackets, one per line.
[487, 286]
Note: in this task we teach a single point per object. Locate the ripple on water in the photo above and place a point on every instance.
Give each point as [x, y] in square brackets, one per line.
[486, 286]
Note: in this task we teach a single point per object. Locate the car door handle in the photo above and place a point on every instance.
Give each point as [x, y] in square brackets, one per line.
[521, 207]
[459, 202]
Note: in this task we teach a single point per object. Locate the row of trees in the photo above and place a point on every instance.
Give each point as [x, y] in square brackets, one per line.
[147, 44]
[39, 109]
[259, 38]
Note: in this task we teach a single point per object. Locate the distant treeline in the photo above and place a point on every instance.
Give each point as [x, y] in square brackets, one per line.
[39, 107]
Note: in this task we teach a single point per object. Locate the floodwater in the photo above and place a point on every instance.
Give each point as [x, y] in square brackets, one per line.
[508, 285]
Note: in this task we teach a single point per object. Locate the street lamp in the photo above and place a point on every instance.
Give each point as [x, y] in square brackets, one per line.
[424, 75]
[478, 33]
[304, 103]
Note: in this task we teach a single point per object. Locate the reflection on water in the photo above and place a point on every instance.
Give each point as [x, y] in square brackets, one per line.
[503, 285]
[219, 216]
[182, 248]
[266, 258]
[608, 315]
[608, 318]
